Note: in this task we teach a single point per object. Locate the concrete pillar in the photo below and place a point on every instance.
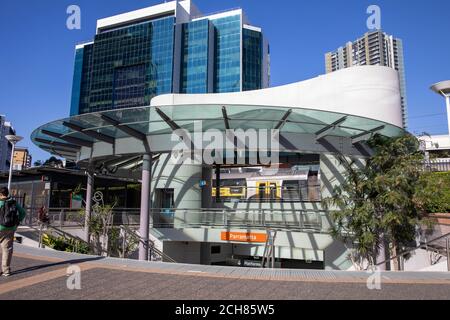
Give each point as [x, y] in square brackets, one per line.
[89, 194]
[145, 206]
[184, 179]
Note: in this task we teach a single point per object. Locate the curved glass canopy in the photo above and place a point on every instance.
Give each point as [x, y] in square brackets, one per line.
[66, 136]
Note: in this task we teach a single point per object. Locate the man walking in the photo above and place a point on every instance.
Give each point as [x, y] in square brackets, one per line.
[11, 214]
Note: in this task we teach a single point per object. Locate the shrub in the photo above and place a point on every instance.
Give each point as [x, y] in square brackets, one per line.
[440, 201]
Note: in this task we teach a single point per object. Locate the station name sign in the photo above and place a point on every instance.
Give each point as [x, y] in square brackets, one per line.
[243, 236]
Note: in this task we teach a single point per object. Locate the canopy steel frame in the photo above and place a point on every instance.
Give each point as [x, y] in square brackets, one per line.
[58, 144]
[366, 135]
[76, 141]
[89, 132]
[283, 120]
[225, 118]
[128, 130]
[172, 124]
[329, 128]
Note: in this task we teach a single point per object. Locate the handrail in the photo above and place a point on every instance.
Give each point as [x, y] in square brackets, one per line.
[150, 242]
[421, 245]
[257, 218]
[58, 231]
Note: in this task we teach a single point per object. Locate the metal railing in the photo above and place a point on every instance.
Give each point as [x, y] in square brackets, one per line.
[54, 230]
[291, 219]
[154, 254]
[69, 217]
[428, 246]
[305, 220]
[437, 166]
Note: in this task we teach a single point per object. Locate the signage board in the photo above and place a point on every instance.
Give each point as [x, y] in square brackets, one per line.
[243, 236]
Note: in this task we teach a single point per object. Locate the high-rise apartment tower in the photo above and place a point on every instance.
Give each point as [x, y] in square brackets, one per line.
[374, 48]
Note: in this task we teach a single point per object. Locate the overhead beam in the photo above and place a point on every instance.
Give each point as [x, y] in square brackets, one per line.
[77, 141]
[283, 120]
[329, 128]
[172, 124]
[56, 143]
[90, 133]
[366, 135]
[225, 117]
[128, 130]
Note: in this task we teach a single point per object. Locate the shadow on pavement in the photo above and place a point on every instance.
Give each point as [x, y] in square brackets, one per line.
[61, 263]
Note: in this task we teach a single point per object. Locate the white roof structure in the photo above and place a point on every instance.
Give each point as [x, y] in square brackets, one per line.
[365, 91]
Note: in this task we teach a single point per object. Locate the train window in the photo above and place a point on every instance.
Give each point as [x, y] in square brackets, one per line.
[232, 182]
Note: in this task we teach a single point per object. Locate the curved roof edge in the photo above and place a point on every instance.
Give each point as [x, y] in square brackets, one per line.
[367, 91]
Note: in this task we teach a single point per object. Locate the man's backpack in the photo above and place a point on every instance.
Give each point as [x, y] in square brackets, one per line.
[9, 214]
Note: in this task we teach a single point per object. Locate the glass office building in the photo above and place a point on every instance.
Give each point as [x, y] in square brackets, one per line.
[168, 48]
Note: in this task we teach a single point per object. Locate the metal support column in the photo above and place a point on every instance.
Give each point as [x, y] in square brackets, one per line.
[30, 216]
[11, 162]
[145, 206]
[447, 103]
[89, 194]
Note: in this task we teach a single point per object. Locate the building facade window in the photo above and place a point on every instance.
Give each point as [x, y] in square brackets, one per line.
[252, 60]
[194, 68]
[227, 53]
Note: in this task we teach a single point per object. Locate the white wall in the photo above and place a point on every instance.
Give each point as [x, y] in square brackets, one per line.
[186, 252]
[366, 91]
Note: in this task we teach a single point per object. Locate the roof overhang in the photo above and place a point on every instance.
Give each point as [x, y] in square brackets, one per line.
[138, 130]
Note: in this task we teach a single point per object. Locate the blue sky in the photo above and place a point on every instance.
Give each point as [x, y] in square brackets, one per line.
[37, 50]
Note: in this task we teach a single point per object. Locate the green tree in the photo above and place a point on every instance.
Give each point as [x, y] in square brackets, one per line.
[383, 202]
[53, 162]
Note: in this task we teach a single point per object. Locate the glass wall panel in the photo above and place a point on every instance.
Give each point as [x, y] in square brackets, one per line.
[227, 54]
[252, 59]
[194, 59]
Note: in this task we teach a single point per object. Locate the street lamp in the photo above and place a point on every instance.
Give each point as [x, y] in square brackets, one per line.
[443, 88]
[13, 139]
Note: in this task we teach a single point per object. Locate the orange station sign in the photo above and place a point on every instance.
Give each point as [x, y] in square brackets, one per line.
[243, 236]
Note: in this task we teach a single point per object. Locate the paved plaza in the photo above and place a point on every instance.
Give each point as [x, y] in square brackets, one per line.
[44, 274]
